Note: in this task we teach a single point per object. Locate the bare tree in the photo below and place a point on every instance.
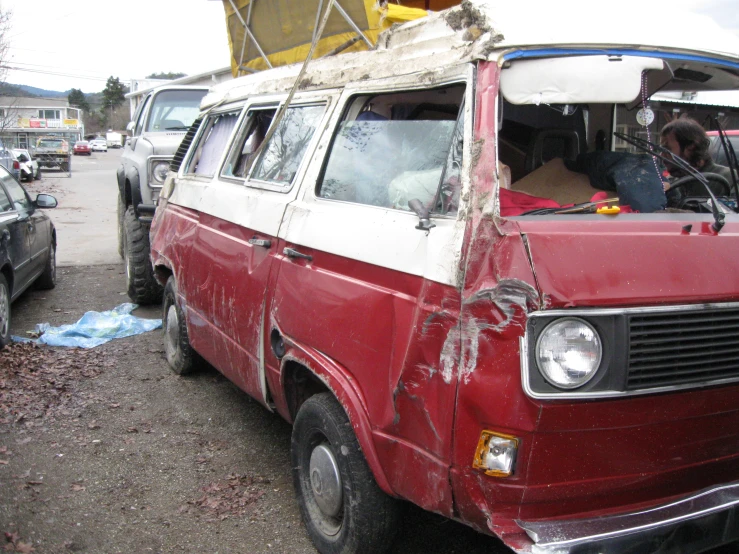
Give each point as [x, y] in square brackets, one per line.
[5, 20]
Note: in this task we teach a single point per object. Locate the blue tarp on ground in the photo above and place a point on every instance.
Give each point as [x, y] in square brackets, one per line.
[95, 328]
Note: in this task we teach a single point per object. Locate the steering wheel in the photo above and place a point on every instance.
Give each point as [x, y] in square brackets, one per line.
[719, 184]
[688, 186]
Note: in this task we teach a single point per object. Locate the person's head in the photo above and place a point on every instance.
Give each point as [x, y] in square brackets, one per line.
[686, 138]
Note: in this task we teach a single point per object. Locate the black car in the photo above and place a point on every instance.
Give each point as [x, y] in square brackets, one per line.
[27, 245]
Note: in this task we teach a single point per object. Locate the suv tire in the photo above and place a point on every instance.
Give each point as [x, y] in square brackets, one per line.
[353, 514]
[120, 212]
[141, 285]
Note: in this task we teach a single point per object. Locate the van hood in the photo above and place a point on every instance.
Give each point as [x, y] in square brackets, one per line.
[632, 260]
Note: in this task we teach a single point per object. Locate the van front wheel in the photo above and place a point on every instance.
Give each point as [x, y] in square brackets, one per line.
[343, 508]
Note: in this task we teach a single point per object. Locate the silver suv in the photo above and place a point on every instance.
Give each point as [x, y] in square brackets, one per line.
[157, 129]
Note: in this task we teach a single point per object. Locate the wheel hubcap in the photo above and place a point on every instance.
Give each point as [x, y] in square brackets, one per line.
[4, 309]
[171, 334]
[325, 481]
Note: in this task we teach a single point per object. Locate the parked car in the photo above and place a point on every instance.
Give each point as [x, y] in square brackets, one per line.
[29, 168]
[9, 161]
[53, 152]
[716, 150]
[27, 245]
[449, 319]
[98, 145]
[82, 147]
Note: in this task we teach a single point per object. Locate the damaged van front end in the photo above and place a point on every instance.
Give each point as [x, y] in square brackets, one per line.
[599, 348]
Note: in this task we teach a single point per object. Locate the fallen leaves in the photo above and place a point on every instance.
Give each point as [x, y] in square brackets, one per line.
[36, 381]
[14, 543]
[235, 496]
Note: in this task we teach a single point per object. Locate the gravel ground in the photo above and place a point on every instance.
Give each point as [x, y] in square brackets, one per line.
[107, 451]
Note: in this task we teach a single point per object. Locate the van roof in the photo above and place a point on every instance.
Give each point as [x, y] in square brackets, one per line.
[487, 29]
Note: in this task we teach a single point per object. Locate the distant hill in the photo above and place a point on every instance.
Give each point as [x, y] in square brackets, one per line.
[34, 91]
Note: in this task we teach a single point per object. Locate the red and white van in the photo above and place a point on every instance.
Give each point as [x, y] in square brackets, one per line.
[410, 270]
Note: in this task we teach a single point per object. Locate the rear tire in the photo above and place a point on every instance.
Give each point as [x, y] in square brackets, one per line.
[38, 174]
[47, 280]
[181, 357]
[4, 312]
[343, 508]
[142, 287]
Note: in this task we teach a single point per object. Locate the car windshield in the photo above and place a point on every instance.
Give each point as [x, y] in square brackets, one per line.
[174, 110]
[81, 143]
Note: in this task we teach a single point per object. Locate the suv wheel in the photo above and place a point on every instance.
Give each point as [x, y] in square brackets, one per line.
[120, 211]
[142, 287]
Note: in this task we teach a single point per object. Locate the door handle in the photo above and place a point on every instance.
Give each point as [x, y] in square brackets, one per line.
[264, 243]
[290, 253]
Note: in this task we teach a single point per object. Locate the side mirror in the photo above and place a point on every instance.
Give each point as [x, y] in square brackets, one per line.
[423, 213]
[131, 126]
[45, 201]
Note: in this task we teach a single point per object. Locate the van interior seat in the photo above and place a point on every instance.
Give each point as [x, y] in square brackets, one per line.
[547, 144]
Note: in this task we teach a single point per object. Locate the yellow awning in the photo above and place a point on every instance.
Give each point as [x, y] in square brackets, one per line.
[282, 30]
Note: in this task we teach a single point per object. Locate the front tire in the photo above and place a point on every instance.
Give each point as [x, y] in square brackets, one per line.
[142, 287]
[343, 508]
[180, 355]
[47, 280]
[120, 210]
[38, 174]
[4, 312]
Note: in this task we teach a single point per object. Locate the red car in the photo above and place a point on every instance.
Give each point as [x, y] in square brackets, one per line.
[82, 147]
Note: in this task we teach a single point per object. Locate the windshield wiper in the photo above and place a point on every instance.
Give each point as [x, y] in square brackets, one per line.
[177, 128]
[582, 208]
[730, 157]
[667, 156]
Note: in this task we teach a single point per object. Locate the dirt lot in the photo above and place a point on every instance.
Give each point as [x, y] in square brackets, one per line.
[107, 451]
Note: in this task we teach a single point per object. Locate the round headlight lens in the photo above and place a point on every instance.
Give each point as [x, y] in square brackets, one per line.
[568, 353]
[159, 172]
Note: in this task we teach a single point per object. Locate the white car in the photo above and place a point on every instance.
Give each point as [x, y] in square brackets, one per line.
[99, 145]
[29, 169]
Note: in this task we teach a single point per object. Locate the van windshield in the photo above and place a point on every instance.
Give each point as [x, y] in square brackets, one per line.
[174, 110]
[587, 133]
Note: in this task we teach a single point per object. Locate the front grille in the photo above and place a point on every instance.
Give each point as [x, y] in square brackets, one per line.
[683, 347]
[184, 145]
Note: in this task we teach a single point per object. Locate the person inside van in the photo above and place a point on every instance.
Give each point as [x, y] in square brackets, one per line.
[686, 138]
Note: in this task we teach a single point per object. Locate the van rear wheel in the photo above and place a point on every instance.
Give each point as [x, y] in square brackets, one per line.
[180, 355]
[343, 508]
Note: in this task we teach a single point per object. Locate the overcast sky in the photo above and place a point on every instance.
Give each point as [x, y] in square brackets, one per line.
[60, 45]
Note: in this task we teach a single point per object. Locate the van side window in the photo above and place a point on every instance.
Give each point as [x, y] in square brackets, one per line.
[252, 133]
[281, 157]
[392, 148]
[212, 144]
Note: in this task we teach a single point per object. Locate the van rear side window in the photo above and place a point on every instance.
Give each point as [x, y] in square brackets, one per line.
[393, 148]
[281, 157]
[253, 130]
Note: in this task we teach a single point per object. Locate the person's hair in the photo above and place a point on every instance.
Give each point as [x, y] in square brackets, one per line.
[688, 132]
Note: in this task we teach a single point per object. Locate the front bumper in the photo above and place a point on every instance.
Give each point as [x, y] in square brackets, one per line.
[694, 524]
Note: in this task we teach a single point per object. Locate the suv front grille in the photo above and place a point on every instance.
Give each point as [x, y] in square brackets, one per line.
[185, 145]
[684, 347]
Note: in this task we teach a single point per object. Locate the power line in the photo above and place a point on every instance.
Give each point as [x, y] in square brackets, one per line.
[43, 72]
[55, 66]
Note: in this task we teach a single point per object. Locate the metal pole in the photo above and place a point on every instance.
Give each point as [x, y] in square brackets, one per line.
[251, 36]
[353, 25]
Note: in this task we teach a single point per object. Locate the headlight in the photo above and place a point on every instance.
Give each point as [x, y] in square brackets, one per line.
[159, 172]
[568, 353]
